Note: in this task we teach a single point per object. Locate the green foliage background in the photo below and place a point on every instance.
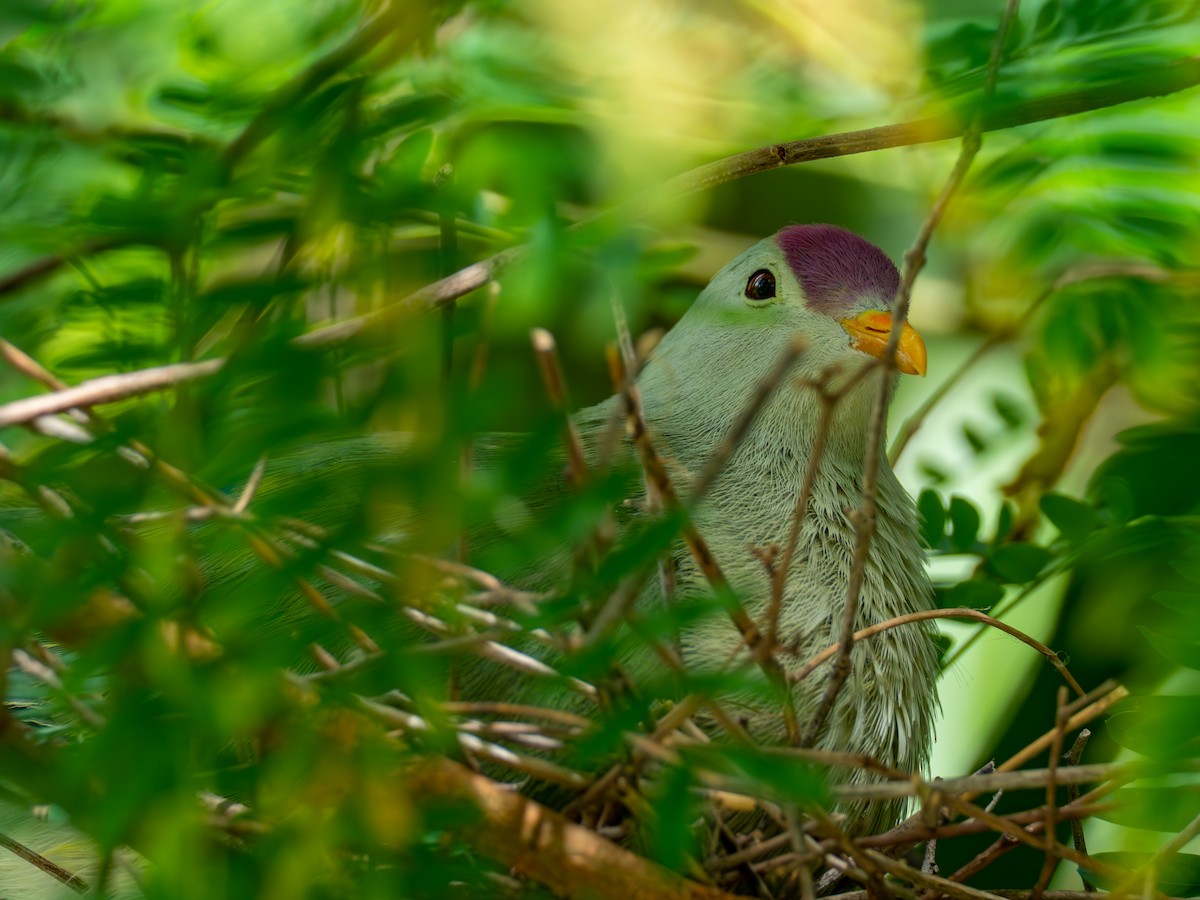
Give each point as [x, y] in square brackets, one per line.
[214, 179]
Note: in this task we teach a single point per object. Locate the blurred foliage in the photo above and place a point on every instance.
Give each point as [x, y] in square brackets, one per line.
[188, 180]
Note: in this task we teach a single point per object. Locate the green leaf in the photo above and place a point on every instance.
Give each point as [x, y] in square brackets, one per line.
[1174, 647]
[933, 517]
[1158, 727]
[1178, 877]
[933, 473]
[1076, 520]
[1019, 562]
[974, 593]
[1187, 604]
[1154, 808]
[674, 807]
[964, 519]
[1004, 522]
[1009, 410]
[974, 439]
[1115, 498]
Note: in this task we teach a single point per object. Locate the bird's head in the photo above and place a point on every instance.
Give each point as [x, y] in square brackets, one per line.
[823, 284]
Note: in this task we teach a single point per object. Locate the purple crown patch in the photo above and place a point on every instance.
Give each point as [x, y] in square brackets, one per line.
[837, 268]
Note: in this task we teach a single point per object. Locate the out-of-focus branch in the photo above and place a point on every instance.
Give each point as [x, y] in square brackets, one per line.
[105, 389]
[540, 844]
[1179, 75]
[51, 868]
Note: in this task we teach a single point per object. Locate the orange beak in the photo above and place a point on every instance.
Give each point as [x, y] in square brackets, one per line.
[869, 332]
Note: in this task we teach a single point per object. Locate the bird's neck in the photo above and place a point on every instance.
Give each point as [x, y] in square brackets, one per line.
[782, 439]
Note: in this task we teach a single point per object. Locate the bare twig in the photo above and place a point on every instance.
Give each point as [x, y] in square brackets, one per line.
[105, 389]
[922, 615]
[1050, 822]
[863, 518]
[1072, 758]
[781, 569]
[1095, 708]
[1178, 75]
[546, 353]
[972, 785]
[51, 868]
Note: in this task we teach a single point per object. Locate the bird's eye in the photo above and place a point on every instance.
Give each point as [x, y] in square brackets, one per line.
[761, 286]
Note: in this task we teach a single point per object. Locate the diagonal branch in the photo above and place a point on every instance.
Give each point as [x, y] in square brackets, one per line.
[863, 517]
[658, 482]
[105, 389]
[540, 844]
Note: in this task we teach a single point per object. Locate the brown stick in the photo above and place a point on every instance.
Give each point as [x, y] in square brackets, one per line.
[53, 869]
[540, 844]
[1050, 822]
[546, 353]
[1179, 75]
[1072, 758]
[863, 518]
[105, 389]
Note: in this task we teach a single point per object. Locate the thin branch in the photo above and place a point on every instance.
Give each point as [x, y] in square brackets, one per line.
[1095, 708]
[659, 481]
[1072, 758]
[105, 389]
[1050, 821]
[1178, 75]
[546, 353]
[1030, 835]
[530, 765]
[973, 785]
[533, 841]
[863, 518]
[780, 569]
[904, 842]
[1073, 275]
[432, 296]
[51, 868]
[932, 882]
[925, 614]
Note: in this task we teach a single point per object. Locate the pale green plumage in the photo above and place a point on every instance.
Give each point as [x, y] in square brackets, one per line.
[693, 388]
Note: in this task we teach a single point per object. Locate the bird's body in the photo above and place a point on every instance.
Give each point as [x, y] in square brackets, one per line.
[694, 386]
[818, 284]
